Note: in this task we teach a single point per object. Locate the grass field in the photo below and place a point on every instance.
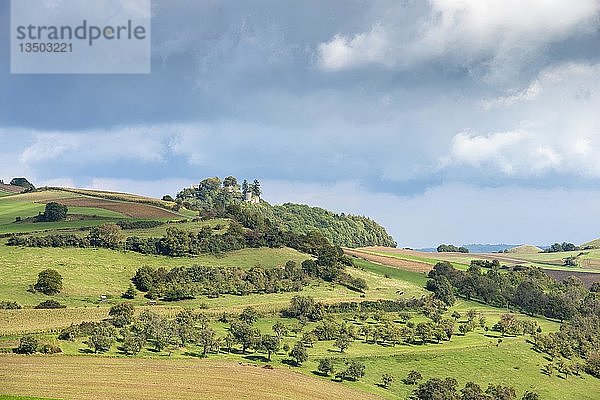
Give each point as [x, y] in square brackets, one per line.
[89, 273]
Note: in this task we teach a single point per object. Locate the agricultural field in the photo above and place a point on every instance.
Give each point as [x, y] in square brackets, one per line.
[95, 278]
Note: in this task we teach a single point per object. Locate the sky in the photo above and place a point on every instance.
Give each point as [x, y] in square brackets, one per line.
[447, 121]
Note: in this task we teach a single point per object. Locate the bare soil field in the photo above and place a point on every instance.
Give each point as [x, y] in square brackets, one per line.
[408, 265]
[587, 277]
[11, 188]
[133, 210]
[69, 377]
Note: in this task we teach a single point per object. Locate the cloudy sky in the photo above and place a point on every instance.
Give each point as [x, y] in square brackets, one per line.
[445, 120]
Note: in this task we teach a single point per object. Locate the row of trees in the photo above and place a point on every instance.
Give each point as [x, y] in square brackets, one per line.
[450, 248]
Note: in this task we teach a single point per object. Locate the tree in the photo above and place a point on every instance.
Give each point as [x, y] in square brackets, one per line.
[592, 364]
[121, 314]
[354, 370]
[442, 290]
[280, 329]
[270, 344]
[413, 377]
[207, 339]
[531, 396]
[168, 197]
[326, 366]
[472, 391]
[27, 345]
[245, 187]
[23, 182]
[54, 212]
[102, 338]
[424, 331]
[255, 188]
[499, 392]
[107, 236]
[530, 297]
[157, 329]
[437, 389]
[387, 380]
[249, 315]
[244, 334]
[456, 315]
[130, 293]
[342, 342]
[49, 282]
[184, 327]
[134, 339]
[299, 353]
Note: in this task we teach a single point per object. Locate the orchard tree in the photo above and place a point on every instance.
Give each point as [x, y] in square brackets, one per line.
[102, 338]
[387, 380]
[342, 342]
[49, 282]
[270, 344]
[326, 366]
[121, 314]
[299, 353]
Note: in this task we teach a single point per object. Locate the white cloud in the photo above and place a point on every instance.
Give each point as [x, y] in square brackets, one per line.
[554, 128]
[143, 143]
[499, 32]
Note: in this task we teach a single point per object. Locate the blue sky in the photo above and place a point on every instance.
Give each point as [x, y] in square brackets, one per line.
[446, 121]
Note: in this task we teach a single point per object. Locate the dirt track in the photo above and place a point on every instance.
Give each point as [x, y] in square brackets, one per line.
[408, 265]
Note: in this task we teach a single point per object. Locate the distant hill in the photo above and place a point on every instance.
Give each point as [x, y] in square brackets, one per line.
[594, 244]
[525, 249]
[478, 248]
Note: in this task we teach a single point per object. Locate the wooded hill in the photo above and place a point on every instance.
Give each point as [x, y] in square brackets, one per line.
[216, 198]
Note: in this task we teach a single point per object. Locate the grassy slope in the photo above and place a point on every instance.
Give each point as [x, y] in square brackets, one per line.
[89, 273]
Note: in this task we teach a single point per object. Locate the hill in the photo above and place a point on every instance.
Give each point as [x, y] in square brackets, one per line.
[594, 244]
[525, 249]
[213, 197]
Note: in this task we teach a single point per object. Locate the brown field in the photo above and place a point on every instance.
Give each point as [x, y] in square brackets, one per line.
[145, 379]
[11, 188]
[132, 210]
[587, 277]
[409, 265]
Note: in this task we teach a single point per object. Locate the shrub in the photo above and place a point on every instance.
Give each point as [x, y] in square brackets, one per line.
[413, 377]
[27, 345]
[47, 348]
[9, 305]
[48, 304]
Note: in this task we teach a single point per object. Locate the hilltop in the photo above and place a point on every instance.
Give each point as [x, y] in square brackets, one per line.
[215, 198]
[525, 249]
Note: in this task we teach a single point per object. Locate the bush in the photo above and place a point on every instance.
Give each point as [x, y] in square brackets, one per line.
[47, 348]
[49, 304]
[9, 305]
[49, 282]
[27, 345]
